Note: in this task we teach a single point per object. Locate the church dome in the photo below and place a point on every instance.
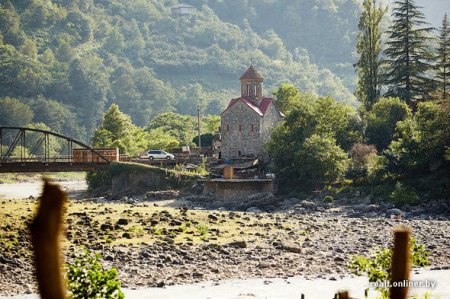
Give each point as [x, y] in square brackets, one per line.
[251, 74]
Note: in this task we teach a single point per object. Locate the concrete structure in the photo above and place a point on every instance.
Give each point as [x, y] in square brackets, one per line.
[236, 189]
[248, 120]
[183, 9]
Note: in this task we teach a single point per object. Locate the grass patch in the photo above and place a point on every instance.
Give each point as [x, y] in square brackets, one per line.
[83, 219]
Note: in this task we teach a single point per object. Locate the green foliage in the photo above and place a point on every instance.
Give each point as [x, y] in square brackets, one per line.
[58, 117]
[207, 139]
[403, 195]
[369, 49]
[86, 55]
[362, 158]
[378, 266]
[443, 60]
[169, 130]
[117, 130]
[314, 133]
[98, 179]
[287, 97]
[407, 54]
[202, 229]
[14, 113]
[88, 279]
[322, 159]
[420, 140]
[382, 121]
[180, 127]
[328, 199]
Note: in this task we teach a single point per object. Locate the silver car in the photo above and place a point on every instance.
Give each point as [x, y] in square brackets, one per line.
[159, 154]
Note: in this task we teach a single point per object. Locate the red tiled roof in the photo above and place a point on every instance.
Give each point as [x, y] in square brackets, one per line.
[261, 110]
[251, 73]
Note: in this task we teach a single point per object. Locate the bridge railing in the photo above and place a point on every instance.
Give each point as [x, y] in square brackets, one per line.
[29, 145]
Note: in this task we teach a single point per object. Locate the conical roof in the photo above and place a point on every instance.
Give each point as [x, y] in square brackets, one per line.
[250, 74]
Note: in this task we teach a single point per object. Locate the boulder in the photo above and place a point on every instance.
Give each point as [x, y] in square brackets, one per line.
[290, 247]
[238, 244]
[122, 221]
[253, 210]
[307, 204]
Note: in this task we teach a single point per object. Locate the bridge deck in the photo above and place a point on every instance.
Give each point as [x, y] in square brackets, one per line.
[50, 167]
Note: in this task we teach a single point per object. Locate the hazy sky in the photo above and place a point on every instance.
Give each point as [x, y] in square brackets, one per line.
[434, 10]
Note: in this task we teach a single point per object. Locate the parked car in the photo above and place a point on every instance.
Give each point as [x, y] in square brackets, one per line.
[159, 154]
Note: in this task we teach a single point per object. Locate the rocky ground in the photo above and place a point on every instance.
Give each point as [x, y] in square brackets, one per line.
[155, 240]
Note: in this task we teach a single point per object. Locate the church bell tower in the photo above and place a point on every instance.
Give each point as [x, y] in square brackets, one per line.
[251, 84]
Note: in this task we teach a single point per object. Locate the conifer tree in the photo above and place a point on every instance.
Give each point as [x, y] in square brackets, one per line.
[369, 48]
[407, 54]
[443, 60]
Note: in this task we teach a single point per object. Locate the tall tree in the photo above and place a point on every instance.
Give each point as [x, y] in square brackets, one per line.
[443, 60]
[407, 54]
[369, 48]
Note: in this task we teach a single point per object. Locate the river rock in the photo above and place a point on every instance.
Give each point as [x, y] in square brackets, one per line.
[253, 210]
[308, 204]
[122, 221]
[395, 212]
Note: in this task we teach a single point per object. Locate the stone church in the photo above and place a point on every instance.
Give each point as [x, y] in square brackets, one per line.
[247, 121]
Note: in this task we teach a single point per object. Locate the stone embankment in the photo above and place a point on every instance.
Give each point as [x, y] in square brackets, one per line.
[155, 246]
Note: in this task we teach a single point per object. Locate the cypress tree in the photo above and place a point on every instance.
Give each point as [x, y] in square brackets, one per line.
[407, 54]
[369, 48]
[443, 60]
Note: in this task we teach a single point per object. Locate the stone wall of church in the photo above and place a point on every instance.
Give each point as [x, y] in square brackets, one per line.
[237, 134]
[270, 120]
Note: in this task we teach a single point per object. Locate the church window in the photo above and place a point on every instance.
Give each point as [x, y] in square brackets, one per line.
[253, 128]
[240, 128]
[228, 128]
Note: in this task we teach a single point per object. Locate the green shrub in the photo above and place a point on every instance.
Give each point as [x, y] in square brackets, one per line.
[403, 195]
[202, 229]
[378, 266]
[98, 179]
[384, 191]
[87, 279]
[328, 198]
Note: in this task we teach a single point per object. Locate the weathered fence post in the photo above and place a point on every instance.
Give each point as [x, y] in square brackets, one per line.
[343, 295]
[400, 266]
[45, 233]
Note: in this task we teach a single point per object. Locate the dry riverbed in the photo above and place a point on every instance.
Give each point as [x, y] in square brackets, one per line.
[154, 245]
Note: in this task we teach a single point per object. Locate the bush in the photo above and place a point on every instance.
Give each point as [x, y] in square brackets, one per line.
[98, 179]
[378, 267]
[403, 195]
[87, 279]
[362, 157]
[328, 198]
[322, 159]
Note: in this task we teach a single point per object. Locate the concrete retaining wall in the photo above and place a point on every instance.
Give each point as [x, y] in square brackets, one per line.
[148, 179]
[238, 188]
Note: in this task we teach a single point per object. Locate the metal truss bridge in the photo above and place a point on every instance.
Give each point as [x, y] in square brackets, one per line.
[35, 150]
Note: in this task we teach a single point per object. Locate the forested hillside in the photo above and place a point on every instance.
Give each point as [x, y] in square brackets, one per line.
[81, 56]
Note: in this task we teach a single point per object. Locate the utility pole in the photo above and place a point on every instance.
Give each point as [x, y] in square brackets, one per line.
[198, 127]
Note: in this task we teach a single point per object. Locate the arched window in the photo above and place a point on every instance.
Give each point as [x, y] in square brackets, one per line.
[240, 128]
[228, 128]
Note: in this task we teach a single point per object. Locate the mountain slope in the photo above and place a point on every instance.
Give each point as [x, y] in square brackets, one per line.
[88, 54]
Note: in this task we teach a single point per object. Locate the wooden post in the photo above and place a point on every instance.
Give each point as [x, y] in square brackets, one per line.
[343, 295]
[400, 263]
[45, 233]
[228, 172]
